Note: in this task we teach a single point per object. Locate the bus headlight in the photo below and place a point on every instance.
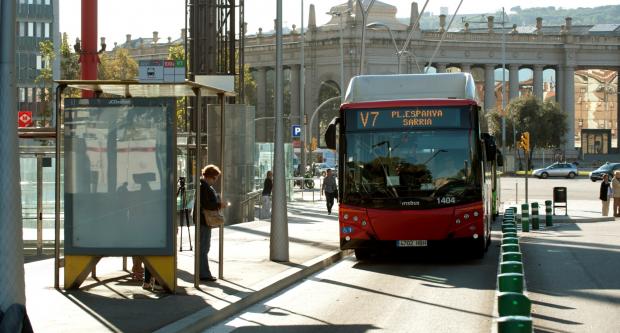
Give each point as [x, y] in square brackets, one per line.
[355, 218]
[345, 216]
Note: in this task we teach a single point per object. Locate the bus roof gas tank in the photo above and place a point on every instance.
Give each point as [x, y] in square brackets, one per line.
[372, 88]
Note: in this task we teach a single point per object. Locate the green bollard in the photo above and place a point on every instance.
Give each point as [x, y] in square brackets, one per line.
[548, 211]
[509, 234]
[512, 256]
[535, 221]
[510, 248]
[513, 304]
[510, 240]
[508, 226]
[511, 267]
[525, 218]
[512, 282]
[514, 324]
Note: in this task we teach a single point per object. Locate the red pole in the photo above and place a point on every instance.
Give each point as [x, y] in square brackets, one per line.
[89, 58]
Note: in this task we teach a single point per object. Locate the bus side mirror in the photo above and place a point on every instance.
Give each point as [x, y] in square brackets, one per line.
[330, 133]
[489, 146]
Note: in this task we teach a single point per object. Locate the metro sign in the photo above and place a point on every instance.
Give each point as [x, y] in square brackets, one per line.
[24, 119]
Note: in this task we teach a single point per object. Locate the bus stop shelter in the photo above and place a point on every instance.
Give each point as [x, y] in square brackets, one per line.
[161, 261]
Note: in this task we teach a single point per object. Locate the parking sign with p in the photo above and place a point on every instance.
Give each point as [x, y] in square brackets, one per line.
[295, 131]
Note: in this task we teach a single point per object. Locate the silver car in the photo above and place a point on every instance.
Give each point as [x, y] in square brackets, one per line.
[557, 169]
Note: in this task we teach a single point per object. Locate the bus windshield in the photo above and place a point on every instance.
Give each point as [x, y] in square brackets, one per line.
[414, 169]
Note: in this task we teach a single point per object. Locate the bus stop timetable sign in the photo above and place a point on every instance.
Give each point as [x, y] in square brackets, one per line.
[161, 71]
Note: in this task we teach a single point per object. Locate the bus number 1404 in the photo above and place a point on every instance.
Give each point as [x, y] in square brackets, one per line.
[446, 200]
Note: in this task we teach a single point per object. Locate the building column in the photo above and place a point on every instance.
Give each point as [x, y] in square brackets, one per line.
[294, 115]
[538, 82]
[513, 81]
[559, 85]
[466, 68]
[569, 106]
[489, 88]
[261, 112]
[441, 68]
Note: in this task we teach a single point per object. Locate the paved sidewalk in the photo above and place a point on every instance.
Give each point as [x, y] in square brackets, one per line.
[113, 302]
[578, 211]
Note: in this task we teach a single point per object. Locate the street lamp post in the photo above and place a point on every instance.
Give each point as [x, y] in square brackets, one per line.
[364, 17]
[302, 99]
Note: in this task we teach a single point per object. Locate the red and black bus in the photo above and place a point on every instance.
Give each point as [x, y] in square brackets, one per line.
[414, 168]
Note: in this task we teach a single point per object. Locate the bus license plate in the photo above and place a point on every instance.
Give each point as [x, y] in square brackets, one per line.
[411, 243]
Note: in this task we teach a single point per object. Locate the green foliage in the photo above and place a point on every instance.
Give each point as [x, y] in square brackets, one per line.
[45, 77]
[117, 65]
[528, 113]
[177, 52]
[69, 61]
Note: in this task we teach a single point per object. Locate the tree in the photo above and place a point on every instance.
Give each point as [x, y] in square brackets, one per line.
[529, 114]
[69, 61]
[46, 78]
[177, 52]
[69, 66]
[117, 65]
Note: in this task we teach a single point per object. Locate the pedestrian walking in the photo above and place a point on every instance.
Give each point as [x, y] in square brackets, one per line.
[330, 188]
[605, 194]
[615, 187]
[265, 212]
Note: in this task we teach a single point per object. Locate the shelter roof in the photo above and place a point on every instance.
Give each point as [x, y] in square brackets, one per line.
[134, 88]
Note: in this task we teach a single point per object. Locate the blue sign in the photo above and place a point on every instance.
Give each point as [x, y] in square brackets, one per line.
[295, 131]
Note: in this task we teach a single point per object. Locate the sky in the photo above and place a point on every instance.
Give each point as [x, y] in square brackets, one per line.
[141, 17]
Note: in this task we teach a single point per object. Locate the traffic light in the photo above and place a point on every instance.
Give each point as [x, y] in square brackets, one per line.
[524, 143]
[313, 144]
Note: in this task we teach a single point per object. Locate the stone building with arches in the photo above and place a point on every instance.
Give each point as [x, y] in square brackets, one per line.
[546, 61]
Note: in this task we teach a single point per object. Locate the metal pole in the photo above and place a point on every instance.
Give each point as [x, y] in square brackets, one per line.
[341, 61]
[364, 17]
[89, 57]
[278, 242]
[39, 204]
[503, 86]
[197, 172]
[59, 112]
[302, 99]
[11, 244]
[220, 271]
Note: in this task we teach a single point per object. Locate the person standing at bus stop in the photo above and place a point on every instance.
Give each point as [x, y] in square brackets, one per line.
[330, 188]
[265, 211]
[615, 187]
[209, 200]
[605, 194]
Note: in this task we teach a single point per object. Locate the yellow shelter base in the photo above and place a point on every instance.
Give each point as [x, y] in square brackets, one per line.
[163, 268]
[77, 269]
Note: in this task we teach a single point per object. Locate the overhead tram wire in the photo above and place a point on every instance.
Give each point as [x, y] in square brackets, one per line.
[442, 37]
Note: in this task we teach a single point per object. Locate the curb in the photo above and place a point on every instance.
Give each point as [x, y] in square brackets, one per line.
[203, 319]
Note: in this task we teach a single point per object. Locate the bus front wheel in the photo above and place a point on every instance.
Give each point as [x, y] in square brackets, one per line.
[362, 254]
[479, 247]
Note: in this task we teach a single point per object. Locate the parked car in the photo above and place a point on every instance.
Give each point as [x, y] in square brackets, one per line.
[608, 168]
[321, 169]
[557, 169]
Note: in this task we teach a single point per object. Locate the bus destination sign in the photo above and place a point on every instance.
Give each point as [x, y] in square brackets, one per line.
[408, 118]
